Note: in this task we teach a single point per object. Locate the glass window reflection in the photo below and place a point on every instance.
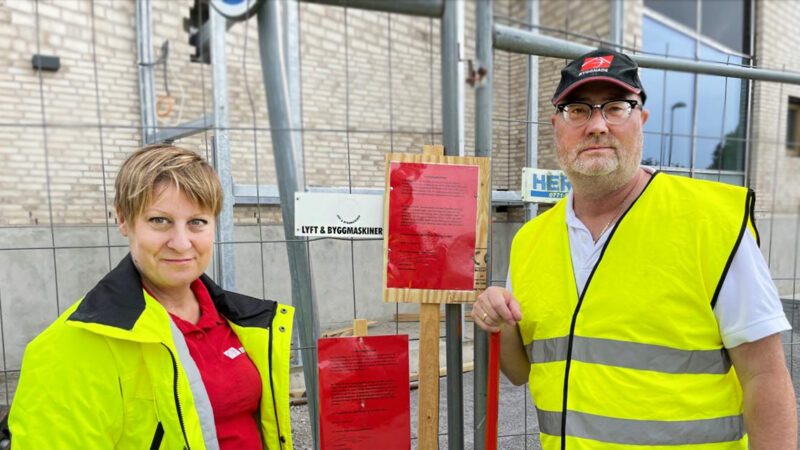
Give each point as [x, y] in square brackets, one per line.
[720, 102]
[728, 32]
[697, 122]
[682, 11]
[670, 99]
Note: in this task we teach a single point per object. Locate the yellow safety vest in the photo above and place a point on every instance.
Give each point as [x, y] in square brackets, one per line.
[637, 361]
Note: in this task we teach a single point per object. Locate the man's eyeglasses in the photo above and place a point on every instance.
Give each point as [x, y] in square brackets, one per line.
[615, 112]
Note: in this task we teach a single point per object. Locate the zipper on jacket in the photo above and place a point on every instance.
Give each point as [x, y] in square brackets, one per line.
[175, 392]
[157, 437]
[281, 439]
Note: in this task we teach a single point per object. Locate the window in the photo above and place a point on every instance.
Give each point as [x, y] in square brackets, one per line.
[683, 12]
[704, 16]
[697, 124]
[793, 126]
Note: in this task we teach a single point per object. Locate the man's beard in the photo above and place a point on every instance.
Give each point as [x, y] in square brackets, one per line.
[600, 173]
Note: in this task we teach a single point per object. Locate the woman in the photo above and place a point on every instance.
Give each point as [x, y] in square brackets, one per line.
[156, 355]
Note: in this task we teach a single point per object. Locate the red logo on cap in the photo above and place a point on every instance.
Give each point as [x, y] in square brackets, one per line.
[597, 62]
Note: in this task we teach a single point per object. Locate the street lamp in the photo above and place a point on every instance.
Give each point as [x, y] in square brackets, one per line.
[671, 128]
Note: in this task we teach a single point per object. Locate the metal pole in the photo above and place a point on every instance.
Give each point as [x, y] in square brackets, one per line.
[452, 44]
[532, 97]
[521, 41]
[672, 109]
[186, 129]
[671, 134]
[291, 54]
[221, 145]
[425, 8]
[270, 38]
[144, 48]
[616, 26]
[483, 147]
[749, 122]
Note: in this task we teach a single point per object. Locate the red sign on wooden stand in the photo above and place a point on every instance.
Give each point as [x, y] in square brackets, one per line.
[364, 393]
[436, 215]
[431, 235]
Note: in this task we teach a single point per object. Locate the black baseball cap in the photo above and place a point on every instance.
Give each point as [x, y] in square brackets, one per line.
[600, 65]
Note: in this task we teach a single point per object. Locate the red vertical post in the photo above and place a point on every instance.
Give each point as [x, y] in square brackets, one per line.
[493, 391]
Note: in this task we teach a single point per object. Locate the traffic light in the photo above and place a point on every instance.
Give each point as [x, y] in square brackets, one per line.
[198, 27]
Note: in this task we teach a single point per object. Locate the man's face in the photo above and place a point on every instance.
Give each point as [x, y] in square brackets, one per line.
[597, 153]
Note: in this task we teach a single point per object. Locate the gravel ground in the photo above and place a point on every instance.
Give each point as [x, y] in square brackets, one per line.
[301, 428]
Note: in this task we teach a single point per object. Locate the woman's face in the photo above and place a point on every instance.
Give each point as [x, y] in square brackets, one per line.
[171, 241]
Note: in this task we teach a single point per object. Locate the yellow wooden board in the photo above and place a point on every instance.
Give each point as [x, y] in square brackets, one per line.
[360, 327]
[428, 410]
[409, 295]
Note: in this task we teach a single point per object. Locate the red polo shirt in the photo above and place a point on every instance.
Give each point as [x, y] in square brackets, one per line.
[230, 377]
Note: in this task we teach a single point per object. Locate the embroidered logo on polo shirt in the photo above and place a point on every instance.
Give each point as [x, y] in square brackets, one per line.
[232, 353]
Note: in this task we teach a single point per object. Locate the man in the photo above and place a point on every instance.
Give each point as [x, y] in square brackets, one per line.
[633, 296]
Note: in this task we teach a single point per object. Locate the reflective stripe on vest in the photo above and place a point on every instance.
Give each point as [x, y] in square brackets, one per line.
[643, 432]
[631, 355]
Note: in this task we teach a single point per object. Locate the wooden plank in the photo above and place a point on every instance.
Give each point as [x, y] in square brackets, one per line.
[360, 327]
[346, 331]
[428, 420]
[430, 296]
[436, 150]
[414, 317]
[483, 219]
[468, 366]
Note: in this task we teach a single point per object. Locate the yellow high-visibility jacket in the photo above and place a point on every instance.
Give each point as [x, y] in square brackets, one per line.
[637, 361]
[113, 372]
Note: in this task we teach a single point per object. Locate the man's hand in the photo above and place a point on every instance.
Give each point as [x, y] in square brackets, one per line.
[495, 306]
[769, 399]
[496, 310]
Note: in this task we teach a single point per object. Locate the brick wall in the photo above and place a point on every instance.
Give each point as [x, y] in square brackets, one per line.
[71, 150]
[774, 170]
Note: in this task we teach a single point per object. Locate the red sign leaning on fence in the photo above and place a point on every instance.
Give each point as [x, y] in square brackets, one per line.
[363, 393]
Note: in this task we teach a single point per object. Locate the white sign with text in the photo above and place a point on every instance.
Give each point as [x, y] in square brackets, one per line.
[338, 215]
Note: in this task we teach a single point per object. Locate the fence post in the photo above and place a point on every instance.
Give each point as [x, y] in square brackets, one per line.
[270, 41]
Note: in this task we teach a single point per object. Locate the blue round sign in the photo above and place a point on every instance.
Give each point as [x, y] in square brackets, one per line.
[237, 9]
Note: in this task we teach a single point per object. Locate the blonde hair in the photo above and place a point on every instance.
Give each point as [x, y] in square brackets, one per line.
[153, 165]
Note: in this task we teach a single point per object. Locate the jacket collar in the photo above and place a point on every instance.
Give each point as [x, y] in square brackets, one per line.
[118, 301]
